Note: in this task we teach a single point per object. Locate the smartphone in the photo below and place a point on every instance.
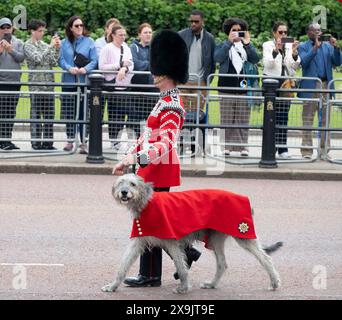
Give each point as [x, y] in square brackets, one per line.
[325, 37]
[7, 37]
[241, 34]
[287, 40]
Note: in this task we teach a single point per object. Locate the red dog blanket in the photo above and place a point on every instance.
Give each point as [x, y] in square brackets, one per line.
[173, 215]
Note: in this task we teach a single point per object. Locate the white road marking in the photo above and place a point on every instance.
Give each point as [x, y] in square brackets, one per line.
[33, 264]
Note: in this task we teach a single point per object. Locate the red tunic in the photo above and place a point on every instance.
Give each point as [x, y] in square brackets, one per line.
[159, 141]
[173, 215]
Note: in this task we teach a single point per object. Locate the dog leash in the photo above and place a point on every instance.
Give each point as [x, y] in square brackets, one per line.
[130, 169]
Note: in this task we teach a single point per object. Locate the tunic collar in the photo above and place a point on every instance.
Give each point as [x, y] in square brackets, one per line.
[169, 92]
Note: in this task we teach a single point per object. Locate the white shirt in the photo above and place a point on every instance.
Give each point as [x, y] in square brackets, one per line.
[273, 66]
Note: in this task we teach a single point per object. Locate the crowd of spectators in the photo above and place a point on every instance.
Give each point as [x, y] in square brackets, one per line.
[78, 54]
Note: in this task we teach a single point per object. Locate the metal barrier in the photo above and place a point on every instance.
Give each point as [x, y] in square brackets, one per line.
[48, 113]
[39, 120]
[239, 118]
[334, 126]
[125, 110]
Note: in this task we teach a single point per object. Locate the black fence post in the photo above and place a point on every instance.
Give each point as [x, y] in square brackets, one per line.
[268, 135]
[95, 154]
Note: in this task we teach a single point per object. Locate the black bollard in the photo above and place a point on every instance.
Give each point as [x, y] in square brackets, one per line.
[95, 154]
[268, 160]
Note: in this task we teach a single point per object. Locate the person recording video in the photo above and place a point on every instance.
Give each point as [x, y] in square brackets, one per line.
[11, 55]
[318, 57]
[280, 59]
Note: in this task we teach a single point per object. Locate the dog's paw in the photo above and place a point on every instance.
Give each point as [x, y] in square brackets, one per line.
[108, 288]
[180, 290]
[207, 285]
[275, 285]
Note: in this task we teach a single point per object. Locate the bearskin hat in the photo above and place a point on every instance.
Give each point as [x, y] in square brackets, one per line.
[170, 56]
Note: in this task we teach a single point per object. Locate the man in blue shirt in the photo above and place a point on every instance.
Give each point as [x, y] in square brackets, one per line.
[317, 59]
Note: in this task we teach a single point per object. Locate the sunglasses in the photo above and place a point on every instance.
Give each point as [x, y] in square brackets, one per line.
[194, 21]
[78, 26]
[282, 32]
[6, 27]
[236, 30]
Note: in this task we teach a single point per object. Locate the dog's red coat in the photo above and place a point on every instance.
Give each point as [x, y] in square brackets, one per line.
[173, 215]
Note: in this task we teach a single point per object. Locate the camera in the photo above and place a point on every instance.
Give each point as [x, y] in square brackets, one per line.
[7, 37]
[325, 37]
[241, 34]
[287, 40]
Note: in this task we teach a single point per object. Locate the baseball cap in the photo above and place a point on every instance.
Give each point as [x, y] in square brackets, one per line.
[4, 21]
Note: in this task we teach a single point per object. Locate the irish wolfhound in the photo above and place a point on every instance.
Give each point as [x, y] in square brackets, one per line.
[131, 191]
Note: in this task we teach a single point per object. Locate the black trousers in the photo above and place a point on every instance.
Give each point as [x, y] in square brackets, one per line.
[8, 108]
[282, 117]
[140, 108]
[42, 107]
[69, 111]
[151, 260]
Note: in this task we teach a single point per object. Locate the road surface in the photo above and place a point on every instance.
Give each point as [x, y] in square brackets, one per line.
[62, 237]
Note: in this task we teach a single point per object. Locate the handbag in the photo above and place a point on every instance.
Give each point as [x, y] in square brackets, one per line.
[252, 69]
[79, 59]
[288, 84]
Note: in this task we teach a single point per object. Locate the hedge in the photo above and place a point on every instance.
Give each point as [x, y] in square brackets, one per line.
[173, 14]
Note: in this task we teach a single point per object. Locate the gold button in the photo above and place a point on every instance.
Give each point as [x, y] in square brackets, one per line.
[138, 224]
[139, 229]
[140, 233]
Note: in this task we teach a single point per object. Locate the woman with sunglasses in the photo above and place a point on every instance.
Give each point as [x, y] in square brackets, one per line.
[79, 58]
[281, 59]
[233, 55]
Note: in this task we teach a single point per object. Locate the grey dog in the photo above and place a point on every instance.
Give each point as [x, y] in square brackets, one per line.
[131, 191]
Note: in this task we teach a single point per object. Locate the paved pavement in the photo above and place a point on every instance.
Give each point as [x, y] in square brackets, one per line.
[27, 161]
[191, 167]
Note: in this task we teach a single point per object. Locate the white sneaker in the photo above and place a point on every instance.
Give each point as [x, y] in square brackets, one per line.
[244, 153]
[284, 155]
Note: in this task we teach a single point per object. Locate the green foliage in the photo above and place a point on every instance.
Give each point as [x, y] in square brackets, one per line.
[260, 14]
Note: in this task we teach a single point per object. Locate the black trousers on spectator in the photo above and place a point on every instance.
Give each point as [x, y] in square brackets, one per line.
[8, 108]
[282, 117]
[42, 107]
[69, 112]
[118, 108]
[151, 260]
[141, 108]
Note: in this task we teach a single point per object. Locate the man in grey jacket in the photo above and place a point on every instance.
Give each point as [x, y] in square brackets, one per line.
[201, 46]
[11, 55]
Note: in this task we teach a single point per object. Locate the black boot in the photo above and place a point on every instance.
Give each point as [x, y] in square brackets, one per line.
[150, 270]
[36, 146]
[48, 146]
[143, 281]
[191, 255]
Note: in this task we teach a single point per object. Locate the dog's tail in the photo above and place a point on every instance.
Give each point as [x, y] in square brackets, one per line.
[274, 247]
